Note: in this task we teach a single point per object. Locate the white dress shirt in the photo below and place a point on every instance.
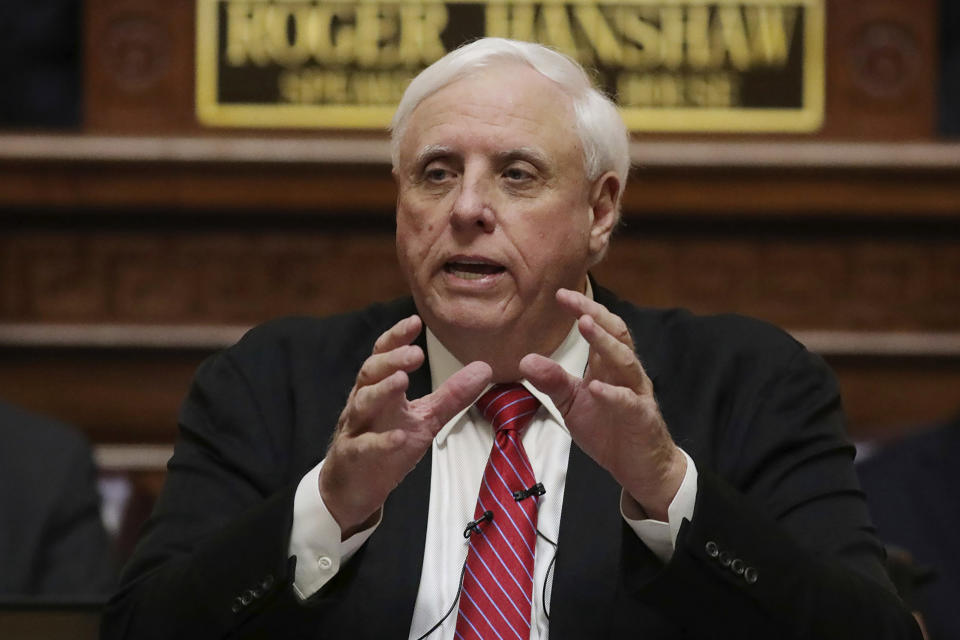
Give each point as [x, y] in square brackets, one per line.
[459, 456]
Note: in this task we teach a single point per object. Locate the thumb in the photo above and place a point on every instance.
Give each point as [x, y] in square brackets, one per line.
[549, 377]
[459, 391]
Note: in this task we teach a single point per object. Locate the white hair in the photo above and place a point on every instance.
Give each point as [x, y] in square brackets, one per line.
[599, 126]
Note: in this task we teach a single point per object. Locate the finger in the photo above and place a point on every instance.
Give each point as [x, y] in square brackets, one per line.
[381, 365]
[611, 395]
[369, 402]
[615, 398]
[611, 359]
[459, 391]
[580, 305]
[398, 335]
[376, 444]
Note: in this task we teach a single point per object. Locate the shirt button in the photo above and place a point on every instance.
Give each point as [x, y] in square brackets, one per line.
[712, 549]
[737, 566]
[751, 575]
[325, 563]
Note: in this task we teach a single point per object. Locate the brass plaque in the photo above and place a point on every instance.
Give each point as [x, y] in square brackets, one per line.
[672, 65]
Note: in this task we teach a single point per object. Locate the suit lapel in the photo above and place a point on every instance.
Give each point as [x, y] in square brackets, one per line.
[587, 567]
[393, 556]
[591, 527]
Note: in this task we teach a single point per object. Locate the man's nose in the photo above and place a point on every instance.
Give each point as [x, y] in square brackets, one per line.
[473, 207]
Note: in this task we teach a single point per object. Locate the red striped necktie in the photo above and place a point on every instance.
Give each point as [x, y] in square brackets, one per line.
[497, 594]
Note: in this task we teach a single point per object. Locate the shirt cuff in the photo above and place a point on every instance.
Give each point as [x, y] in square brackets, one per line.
[661, 537]
[315, 538]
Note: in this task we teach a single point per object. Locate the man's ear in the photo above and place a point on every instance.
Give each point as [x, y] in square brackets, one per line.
[604, 198]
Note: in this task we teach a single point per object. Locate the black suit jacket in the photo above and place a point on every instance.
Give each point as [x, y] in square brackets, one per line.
[52, 541]
[759, 415]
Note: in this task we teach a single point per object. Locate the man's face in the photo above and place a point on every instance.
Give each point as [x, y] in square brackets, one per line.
[494, 211]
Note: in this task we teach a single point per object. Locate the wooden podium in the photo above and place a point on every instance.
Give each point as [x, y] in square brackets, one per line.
[134, 249]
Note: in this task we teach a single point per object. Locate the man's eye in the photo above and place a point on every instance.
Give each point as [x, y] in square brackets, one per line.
[516, 174]
[436, 174]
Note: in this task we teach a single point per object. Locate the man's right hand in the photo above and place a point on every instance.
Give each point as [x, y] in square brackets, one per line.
[381, 435]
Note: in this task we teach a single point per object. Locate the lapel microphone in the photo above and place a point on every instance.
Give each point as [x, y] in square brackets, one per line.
[474, 525]
[535, 490]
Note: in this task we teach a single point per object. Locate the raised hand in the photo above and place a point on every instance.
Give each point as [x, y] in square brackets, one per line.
[381, 435]
[612, 413]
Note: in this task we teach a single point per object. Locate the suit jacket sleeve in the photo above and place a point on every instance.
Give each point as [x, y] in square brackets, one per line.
[78, 558]
[213, 559]
[52, 541]
[780, 544]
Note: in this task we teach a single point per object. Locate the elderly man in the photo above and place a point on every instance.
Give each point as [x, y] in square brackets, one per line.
[358, 476]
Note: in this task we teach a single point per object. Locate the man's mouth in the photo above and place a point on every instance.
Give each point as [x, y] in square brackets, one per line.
[472, 269]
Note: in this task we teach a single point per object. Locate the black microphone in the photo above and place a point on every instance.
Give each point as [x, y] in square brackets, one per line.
[535, 490]
[474, 525]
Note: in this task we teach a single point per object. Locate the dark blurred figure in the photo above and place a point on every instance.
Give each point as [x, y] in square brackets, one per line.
[913, 490]
[39, 63]
[52, 541]
[950, 67]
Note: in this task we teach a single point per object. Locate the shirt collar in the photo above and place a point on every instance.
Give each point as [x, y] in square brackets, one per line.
[572, 355]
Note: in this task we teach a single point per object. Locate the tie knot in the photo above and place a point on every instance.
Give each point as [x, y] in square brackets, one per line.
[508, 406]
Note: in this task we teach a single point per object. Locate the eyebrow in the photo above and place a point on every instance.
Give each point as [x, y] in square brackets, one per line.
[530, 154]
[430, 152]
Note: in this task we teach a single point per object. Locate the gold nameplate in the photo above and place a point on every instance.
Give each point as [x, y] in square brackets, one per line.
[672, 65]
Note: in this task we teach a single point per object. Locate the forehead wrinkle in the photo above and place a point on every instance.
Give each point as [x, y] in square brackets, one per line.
[507, 114]
[503, 110]
[460, 120]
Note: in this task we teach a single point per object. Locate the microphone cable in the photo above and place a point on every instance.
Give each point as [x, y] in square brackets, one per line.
[473, 527]
[452, 606]
[546, 577]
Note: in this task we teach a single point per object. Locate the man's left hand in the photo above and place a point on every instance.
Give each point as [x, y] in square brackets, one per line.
[612, 413]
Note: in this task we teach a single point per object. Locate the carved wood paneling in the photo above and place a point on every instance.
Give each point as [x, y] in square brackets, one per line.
[816, 278]
[684, 189]
[171, 277]
[809, 282]
[851, 283]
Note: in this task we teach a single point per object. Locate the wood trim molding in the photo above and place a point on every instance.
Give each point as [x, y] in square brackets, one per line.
[119, 336]
[376, 151]
[240, 150]
[213, 337]
[132, 457]
[345, 175]
[894, 344]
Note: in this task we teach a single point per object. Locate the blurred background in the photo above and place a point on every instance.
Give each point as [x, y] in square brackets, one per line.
[159, 196]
